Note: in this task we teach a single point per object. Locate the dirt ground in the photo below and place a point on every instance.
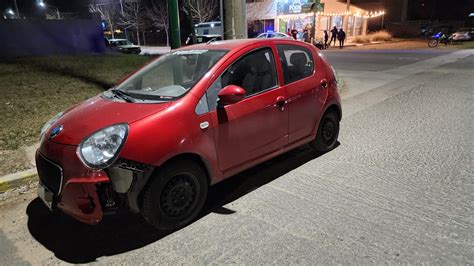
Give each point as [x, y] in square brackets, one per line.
[12, 161]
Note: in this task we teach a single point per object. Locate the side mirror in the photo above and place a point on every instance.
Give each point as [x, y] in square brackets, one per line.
[231, 94]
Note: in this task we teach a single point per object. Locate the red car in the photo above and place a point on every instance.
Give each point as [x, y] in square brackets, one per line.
[156, 141]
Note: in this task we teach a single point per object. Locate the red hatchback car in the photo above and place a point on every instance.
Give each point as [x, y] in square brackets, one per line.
[187, 120]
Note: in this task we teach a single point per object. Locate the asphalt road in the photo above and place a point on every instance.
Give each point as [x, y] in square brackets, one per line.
[398, 189]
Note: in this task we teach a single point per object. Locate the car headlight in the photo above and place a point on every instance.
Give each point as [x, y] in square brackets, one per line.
[100, 149]
[48, 124]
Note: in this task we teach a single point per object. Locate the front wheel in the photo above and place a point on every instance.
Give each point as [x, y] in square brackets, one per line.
[175, 195]
[328, 132]
[433, 43]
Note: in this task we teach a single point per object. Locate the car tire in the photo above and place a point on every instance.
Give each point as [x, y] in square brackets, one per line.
[327, 134]
[175, 195]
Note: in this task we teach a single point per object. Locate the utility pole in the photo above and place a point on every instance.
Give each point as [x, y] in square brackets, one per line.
[17, 12]
[345, 23]
[173, 16]
[404, 10]
[383, 15]
[234, 19]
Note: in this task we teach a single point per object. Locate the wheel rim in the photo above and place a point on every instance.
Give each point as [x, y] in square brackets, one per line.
[178, 195]
[328, 131]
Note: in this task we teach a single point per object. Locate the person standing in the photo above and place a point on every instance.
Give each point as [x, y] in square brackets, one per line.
[294, 34]
[306, 35]
[333, 36]
[341, 36]
[326, 38]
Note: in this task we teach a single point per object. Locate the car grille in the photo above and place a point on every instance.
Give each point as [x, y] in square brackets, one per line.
[50, 174]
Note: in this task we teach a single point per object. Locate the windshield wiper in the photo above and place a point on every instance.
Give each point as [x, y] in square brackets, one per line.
[123, 95]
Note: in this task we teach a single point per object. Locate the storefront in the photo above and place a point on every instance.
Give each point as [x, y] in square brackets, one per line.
[286, 15]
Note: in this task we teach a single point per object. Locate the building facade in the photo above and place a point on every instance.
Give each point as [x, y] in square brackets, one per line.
[284, 15]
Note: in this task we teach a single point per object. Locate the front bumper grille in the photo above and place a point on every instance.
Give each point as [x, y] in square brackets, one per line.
[50, 174]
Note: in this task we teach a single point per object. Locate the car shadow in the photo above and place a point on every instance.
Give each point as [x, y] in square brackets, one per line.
[74, 242]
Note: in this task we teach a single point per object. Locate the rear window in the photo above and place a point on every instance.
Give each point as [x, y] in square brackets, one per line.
[297, 62]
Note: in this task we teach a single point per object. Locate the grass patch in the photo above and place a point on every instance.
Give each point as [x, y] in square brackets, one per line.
[464, 45]
[374, 37]
[362, 39]
[32, 90]
[381, 36]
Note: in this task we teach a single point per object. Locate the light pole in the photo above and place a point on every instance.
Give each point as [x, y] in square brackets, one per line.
[16, 7]
[44, 5]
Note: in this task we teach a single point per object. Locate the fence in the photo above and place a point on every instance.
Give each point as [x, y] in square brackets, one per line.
[31, 37]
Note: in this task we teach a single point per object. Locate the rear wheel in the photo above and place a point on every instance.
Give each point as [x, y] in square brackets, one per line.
[433, 43]
[328, 131]
[175, 195]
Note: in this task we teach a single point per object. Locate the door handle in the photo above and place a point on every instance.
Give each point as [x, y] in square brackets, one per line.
[324, 83]
[280, 103]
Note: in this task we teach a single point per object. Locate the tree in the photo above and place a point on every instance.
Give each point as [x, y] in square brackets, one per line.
[258, 10]
[133, 16]
[107, 12]
[158, 15]
[201, 10]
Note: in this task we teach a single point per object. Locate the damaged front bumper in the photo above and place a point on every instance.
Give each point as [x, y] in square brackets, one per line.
[72, 189]
[86, 194]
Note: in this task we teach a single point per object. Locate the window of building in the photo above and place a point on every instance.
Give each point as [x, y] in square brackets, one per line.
[254, 72]
[297, 62]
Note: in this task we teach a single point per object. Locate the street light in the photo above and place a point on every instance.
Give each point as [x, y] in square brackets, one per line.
[10, 12]
[44, 5]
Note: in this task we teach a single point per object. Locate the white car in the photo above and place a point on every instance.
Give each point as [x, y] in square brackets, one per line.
[123, 46]
[463, 34]
[268, 35]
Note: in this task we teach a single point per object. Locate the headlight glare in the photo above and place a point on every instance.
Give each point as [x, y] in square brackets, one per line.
[100, 149]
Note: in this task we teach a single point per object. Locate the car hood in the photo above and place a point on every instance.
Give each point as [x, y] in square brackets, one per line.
[97, 113]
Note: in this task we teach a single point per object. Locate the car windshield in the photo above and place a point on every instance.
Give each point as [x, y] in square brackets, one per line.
[171, 76]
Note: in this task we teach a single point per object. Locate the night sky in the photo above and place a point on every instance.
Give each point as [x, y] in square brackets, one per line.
[418, 9]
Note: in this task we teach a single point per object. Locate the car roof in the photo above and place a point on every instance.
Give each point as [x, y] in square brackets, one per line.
[240, 43]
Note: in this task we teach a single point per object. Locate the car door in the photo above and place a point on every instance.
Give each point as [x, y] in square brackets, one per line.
[258, 124]
[302, 82]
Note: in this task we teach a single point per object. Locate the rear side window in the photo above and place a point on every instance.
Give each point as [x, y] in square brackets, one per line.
[296, 61]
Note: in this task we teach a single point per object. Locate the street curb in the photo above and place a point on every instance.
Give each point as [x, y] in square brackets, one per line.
[17, 179]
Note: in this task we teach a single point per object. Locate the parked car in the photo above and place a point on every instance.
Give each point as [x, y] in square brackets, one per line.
[123, 46]
[270, 35]
[463, 34]
[154, 143]
[208, 28]
[203, 39]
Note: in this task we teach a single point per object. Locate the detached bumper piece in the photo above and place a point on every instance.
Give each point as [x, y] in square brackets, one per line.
[79, 199]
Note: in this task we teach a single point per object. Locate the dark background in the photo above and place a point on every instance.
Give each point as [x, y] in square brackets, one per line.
[417, 9]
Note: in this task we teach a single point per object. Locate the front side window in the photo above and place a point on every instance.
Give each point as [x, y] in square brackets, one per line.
[254, 72]
[171, 76]
[296, 61]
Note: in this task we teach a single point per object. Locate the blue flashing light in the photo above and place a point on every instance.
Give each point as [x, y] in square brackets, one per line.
[104, 25]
